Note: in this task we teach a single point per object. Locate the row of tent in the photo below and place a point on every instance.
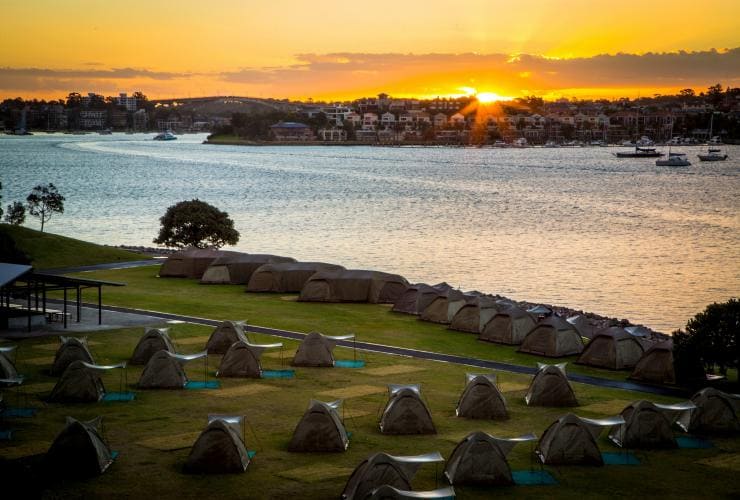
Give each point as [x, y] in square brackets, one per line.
[315, 281]
[538, 331]
[479, 459]
[497, 321]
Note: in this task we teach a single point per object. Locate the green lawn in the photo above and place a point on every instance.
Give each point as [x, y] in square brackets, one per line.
[275, 406]
[47, 250]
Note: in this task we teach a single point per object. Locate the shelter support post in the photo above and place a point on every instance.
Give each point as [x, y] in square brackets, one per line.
[79, 303]
[28, 299]
[100, 305]
[64, 315]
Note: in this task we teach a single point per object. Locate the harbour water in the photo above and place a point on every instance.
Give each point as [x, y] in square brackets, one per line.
[567, 226]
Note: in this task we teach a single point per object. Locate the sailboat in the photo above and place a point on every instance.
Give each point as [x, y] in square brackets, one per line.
[712, 154]
[674, 159]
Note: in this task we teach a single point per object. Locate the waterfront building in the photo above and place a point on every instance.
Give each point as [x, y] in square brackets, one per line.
[332, 135]
[92, 119]
[126, 101]
[291, 131]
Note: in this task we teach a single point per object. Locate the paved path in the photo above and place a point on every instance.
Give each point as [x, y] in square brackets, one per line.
[415, 353]
[103, 267]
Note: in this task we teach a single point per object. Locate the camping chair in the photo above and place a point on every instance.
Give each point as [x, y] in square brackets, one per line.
[121, 395]
[347, 363]
[205, 383]
[239, 421]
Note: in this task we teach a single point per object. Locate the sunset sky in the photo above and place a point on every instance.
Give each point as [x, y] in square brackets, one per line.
[333, 49]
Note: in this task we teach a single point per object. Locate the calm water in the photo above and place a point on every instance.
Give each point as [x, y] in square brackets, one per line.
[575, 227]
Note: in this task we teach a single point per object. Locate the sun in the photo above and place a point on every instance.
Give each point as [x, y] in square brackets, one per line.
[489, 97]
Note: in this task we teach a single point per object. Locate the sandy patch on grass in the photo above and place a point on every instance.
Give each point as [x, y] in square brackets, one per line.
[353, 413]
[25, 449]
[290, 298]
[393, 370]
[38, 387]
[315, 473]
[611, 407]
[44, 360]
[288, 355]
[512, 386]
[354, 391]
[730, 461]
[192, 341]
[54, 346]
[171, 442]
[241, 390]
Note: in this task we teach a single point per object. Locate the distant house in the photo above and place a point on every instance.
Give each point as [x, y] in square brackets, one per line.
[440, 120]
[332, 135]
[291, 131]
[369, 121]
[457, 119]
[387, 119]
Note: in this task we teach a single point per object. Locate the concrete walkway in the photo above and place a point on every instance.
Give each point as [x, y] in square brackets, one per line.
[103, 267]
[415, 353]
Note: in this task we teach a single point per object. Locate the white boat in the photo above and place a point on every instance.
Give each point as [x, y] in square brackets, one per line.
[552, 144]
[645, 141]
[674, 160]
[713, 154]
[499, 144]
[520, 143]
[165, 136]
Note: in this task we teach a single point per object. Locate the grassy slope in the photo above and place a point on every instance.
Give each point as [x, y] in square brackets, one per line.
[144, 472]
[371, 323]
[48, 250]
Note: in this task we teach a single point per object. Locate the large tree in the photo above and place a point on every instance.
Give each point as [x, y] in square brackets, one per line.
[45, 201]
[711, 339]
[198, 224]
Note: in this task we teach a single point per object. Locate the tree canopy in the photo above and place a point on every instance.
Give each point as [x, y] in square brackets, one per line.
[711, 340]
[44, 201]
[198, 224]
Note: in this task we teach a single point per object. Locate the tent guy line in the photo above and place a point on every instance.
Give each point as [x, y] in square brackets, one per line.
[415, 353]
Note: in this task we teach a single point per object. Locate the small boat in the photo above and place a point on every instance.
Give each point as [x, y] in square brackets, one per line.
[639, 152]
[552, 144]
[165, 136]
[520, 143]
[674, 160]
[713, 154]
[500, 144]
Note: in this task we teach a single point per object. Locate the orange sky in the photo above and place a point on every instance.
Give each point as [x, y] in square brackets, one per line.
[336, 49]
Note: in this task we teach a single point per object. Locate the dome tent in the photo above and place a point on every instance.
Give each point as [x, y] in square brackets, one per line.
[71, 349]
[165, 371]
[613, 348]
[190, 262]
[236, 268]
[406, 412]
[153, 340]
[353, 285]
[470, 316]
[316, 350]
[571, 440]
[417, 297]
[286, 277]
[508, 325]
[716, 413]
[320, 429]
[7, 366]
[583, 325]
[243, 360]
[443, 308]
[480, 459]
[226, 334]
[380, 469]
[553, 337]
[550, 387]
[80, 383]
[647, 425]
[656, 365]
[388, 492]
[79, 450]
[220, 448]
[481, 399]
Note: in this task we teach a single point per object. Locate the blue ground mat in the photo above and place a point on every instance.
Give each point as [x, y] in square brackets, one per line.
[11, 412]
[349, 363]
[119, 396]
[195, 385]
[620, 458]
[278, 373]
[6, 435]
[533, 478]
[251, 454]
[689, 442]
[114, 454]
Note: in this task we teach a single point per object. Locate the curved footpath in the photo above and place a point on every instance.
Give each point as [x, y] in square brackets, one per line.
[414, 353]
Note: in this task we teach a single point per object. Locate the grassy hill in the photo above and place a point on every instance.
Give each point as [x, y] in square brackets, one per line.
[46, 250]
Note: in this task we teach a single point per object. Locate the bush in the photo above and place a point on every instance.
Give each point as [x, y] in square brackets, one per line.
[711, 340]
[196, 223]
[16, 214]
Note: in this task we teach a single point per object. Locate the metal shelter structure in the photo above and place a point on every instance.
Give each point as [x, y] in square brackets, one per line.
[29, 290]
